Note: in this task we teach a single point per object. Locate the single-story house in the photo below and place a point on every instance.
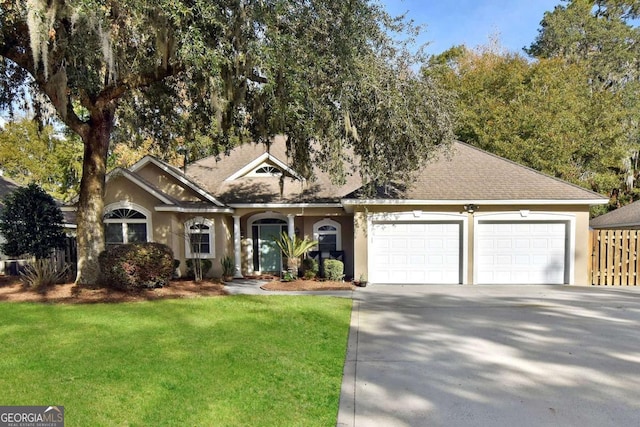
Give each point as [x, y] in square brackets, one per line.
[468, 217]
[626, 217]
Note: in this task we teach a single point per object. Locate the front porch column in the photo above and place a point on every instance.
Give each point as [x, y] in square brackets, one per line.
[291, 224]
[237, 249]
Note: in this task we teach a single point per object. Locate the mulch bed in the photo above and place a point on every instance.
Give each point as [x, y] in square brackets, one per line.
[13, 290]
[307, 285]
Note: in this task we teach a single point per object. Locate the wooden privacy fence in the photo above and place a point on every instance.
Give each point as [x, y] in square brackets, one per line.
[614, 257]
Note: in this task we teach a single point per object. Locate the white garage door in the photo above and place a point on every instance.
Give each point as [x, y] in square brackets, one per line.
[415, 252]
[526, 252]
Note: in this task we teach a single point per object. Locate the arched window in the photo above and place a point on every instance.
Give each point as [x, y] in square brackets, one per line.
[328, 233]
[267, 170]
[199, 238]
[124, 223]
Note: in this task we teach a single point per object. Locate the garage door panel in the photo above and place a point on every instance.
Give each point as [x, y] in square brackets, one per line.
[420, 252]
[533, 253]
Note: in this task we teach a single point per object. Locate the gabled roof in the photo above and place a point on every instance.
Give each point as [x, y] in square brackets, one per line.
[460, 173]
[177, 174]
[625, 217]
[468, 174]
[213, 174]
[142, 183]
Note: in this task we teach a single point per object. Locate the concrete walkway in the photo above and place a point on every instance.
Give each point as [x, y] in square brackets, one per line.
[492, 356]
[252, 287]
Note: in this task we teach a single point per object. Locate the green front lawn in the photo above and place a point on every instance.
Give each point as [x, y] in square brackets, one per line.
[231, 361]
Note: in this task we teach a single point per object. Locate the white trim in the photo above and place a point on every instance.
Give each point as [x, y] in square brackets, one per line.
[259, 161]
[182, 209]
[331, 223]
[250, 221]
[568, 219]
[212, 237]
[419, 216]
[391, 202]
[283, 205]
[179, 176]
[133, 178]
[133, 206]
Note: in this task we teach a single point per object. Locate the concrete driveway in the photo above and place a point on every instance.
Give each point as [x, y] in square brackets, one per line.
[493, 356]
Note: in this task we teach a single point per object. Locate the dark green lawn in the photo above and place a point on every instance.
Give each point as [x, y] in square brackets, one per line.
[229, 361]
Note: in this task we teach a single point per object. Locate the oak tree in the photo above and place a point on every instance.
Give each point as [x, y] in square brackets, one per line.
[224, 72]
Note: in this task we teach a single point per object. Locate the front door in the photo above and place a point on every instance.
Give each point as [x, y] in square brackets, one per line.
[270, 257]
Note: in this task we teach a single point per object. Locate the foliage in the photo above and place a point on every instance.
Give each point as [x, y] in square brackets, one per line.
[296, 352]
[31, 222]
[309, 268]
[221, 74]
[228, 266]
[542, 114]
[42, 273]
[42, 156]
[333, 269]
[136, 266]
[198, 268]
[293, 248]
[603, 37]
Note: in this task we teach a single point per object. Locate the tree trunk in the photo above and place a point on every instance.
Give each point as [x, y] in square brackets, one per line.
[91, 202]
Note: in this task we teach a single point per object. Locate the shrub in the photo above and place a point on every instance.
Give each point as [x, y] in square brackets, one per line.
[31, 223]
[136, 266]
[333, 269]
[42, 273]
[205, 266]
[228, 266]
[309, 268]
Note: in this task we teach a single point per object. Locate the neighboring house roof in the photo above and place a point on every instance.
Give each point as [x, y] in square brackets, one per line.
[6, 186]
[625, 217]
[461, 173]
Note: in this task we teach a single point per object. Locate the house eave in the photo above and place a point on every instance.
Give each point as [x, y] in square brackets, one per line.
[183, 209]
[284, 205]
[349, 204]
[178, 176]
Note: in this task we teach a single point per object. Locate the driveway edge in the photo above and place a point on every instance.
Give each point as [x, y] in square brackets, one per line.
[347, 405]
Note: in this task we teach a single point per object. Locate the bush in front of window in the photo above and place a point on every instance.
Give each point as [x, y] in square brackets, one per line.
[136, 266]
[309, 268]
[333, 269]
[205, 266]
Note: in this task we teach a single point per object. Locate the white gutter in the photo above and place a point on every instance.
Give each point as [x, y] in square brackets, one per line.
[285, 205]
[182, 209]
[349, 204]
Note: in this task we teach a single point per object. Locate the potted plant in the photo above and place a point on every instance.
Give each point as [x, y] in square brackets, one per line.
[361, 282]
[228, 268]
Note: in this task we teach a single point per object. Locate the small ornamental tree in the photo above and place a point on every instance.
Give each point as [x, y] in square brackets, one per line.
[31, 223]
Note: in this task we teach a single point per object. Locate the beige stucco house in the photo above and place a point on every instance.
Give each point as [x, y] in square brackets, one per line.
[468, 217]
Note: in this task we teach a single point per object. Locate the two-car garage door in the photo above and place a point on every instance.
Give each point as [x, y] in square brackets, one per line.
[517, 252]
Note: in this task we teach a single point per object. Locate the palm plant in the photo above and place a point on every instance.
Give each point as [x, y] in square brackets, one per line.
[293, 248]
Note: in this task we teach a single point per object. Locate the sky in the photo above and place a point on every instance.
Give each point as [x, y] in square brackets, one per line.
[474, 22]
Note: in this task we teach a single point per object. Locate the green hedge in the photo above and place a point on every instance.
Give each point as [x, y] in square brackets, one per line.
[333, 269]
[136, 266]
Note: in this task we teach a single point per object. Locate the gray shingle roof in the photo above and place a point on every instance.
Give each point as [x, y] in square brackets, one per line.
[625, 217]
[6, 186]
[462, 173]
